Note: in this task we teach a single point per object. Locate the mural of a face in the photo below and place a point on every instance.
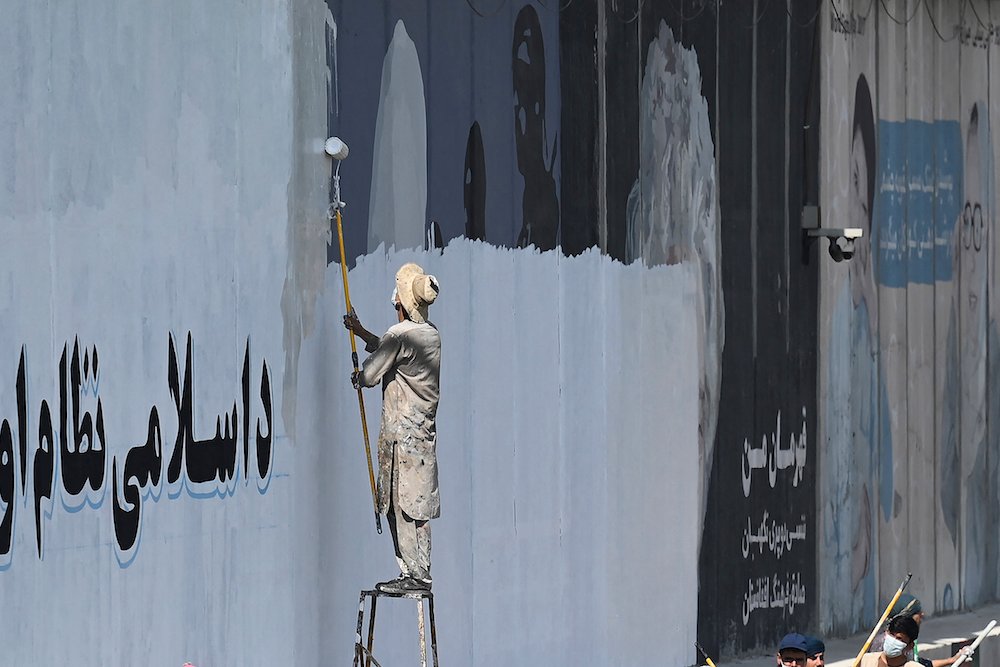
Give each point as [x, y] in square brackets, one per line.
[972, 237]
[978, 474]
[673, 208]
[862, 193]
[972, 242]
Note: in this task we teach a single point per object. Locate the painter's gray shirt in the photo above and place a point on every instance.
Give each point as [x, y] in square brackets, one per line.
[408, 362]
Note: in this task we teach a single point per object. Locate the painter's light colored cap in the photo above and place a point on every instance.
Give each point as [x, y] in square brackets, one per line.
[417, 290]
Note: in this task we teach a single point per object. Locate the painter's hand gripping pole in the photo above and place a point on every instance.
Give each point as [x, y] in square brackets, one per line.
[885, 614]
[972, 648]
[338, 151]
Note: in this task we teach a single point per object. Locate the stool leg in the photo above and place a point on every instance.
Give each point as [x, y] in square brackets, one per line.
[434, 638]
[420, 628]
[357, 632]
[371, 631]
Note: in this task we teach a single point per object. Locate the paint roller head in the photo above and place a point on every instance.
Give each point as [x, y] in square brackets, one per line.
[336, 148]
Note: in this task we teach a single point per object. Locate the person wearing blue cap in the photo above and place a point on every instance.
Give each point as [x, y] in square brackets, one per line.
[815, 652]
[792, 650]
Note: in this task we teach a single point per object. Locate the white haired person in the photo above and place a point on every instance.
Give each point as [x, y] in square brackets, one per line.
[407, 361]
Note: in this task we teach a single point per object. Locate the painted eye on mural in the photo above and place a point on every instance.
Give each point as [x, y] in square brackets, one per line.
[978, 227]
[973, 226]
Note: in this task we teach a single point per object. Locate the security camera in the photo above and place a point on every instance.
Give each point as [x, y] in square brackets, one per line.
[841, 248]
[841, 238]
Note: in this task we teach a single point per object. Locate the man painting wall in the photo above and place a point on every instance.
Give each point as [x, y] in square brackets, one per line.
[407, 361]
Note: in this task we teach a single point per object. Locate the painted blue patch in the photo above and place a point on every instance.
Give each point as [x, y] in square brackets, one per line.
[918, 199]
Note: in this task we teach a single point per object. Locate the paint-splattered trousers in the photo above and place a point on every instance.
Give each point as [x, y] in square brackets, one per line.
[412, 541]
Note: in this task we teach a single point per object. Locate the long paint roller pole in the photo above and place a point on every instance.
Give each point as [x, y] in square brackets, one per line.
[974, 645]
[338, 150]
[354, 359]
[885, 614]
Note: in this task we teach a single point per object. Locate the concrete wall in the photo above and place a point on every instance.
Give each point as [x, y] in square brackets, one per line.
[908, 327]
[147, 155]
[632, 325]
[180, 465]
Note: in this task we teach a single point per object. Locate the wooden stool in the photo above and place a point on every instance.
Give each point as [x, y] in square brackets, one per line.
[363, 654]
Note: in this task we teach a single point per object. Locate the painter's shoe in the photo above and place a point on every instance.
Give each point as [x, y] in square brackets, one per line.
[404, 585]
[391, 586]
[413, 585]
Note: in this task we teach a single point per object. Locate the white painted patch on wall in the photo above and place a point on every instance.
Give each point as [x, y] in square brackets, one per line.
[566, 445]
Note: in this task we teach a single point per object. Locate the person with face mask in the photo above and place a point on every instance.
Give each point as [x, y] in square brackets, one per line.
[907, 605]
[897, 644]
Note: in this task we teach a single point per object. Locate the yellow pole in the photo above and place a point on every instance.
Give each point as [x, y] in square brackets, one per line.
[354, 358]
[704, 654]
[885, 614]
